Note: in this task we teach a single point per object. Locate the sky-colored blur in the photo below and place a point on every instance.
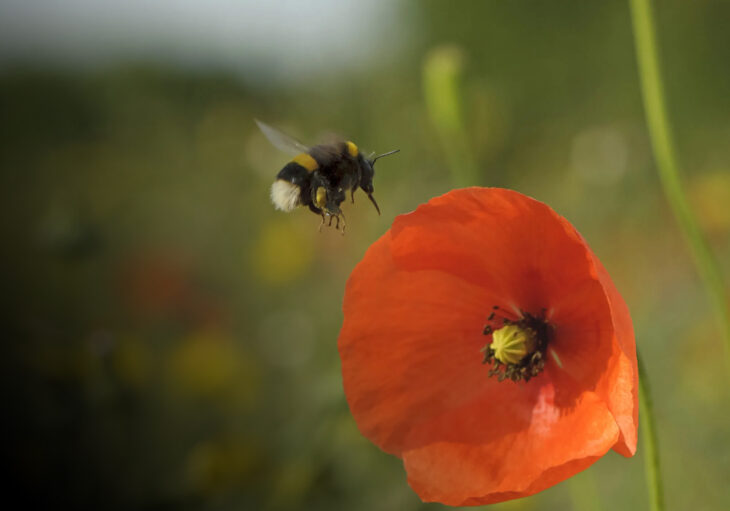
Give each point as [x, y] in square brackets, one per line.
[171, 338]
[286, 40]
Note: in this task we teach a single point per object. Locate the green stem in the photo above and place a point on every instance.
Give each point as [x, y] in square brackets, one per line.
[649, 441]
[667, 164]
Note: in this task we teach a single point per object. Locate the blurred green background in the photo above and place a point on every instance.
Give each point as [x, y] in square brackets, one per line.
[170, 338]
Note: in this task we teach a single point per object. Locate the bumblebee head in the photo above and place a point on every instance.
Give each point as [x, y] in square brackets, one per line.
[368, 172]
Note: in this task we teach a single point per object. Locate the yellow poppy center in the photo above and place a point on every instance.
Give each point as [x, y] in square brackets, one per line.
[512, 343]
[518, 346]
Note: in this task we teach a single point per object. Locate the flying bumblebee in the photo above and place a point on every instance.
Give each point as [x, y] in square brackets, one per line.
[320, 176]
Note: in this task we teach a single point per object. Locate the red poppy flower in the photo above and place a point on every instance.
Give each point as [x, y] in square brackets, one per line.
[485, 345]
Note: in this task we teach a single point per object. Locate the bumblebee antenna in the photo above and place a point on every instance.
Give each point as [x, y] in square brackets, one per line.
[384, 154]
[372, 199]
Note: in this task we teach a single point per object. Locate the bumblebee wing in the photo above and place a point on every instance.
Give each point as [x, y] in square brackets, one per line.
[282, 141]
[325, 153]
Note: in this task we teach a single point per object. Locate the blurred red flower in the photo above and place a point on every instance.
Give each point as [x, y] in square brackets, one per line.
[419, 343]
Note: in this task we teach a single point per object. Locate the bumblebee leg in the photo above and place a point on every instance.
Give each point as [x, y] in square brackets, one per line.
[352, 195]
[330, 224]
[321, 223]
[344, 224]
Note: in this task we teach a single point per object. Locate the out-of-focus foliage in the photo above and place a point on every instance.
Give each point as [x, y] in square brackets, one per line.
[170, 339]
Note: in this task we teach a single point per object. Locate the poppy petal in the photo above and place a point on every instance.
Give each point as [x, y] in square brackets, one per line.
[551, 448]
[403, 357]
[511, 244]
[622, 395]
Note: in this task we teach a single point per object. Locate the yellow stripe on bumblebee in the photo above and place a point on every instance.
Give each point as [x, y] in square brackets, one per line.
[306, 161]
[352, 149]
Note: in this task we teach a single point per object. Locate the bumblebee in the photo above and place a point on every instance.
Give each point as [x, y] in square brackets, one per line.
[319, 177]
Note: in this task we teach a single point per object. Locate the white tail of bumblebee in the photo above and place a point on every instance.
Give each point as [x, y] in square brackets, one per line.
[285, 195]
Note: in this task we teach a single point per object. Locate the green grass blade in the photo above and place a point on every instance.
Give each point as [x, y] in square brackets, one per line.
[668, 167]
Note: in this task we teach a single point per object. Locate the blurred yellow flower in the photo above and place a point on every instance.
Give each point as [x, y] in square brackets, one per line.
[292, 482]
[208, 364]
[282, 252]
[710, 196]
[221, 465]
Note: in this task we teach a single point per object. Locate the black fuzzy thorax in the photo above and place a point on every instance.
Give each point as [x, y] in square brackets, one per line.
[337, 166]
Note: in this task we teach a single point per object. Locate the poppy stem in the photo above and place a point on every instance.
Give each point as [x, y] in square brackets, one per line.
[667, 164]
[649, 439]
